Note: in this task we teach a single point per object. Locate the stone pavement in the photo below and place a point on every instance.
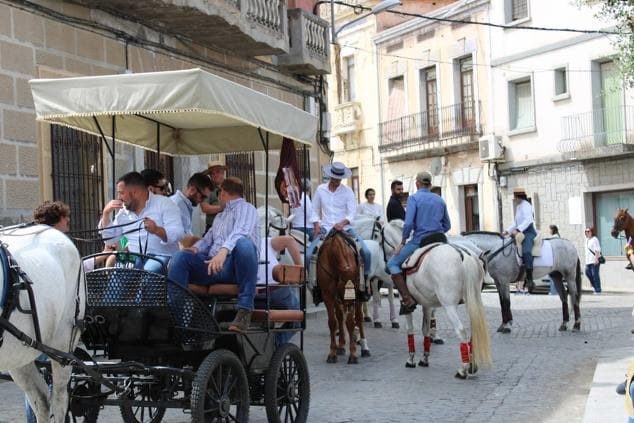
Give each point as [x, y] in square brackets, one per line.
[539, 374]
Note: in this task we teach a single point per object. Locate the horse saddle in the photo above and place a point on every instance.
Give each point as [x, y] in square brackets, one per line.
[537, 244]
[413, 262]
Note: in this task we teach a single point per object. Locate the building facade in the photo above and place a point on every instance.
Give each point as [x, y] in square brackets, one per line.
[278, 48]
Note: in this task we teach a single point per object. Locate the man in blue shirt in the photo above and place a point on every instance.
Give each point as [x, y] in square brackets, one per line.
[198, 188]
[426, 216]
[228, 253]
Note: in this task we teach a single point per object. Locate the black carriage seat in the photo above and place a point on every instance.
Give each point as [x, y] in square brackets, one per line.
[283, 274]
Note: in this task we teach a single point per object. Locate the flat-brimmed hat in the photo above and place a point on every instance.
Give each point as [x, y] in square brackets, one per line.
[519, 190]
[337, 170]
[216, 163]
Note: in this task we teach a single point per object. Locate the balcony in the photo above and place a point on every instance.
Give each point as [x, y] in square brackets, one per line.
[309, 44]
[601, 132]
[246, 27]
[347, 118]
[447, 130]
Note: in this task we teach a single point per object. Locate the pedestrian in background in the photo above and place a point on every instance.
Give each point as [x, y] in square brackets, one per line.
[593, 252]
[554, 233]
[370, 208]
[395, 209]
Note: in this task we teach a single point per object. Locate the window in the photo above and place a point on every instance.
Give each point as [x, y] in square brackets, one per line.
[466, 93]
[429, 102]
[242, 165]
[561, 83]
[354, 182]
[515, 10]
[521, 111]
[349, 93]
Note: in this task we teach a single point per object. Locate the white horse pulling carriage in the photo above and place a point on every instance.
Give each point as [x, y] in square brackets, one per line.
[155, 345]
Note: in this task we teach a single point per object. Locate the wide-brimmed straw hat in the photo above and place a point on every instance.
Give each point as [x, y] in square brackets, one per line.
[337, 170]
[519, 190]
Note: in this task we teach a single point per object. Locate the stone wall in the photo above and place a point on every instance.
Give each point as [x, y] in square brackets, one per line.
[55, 39]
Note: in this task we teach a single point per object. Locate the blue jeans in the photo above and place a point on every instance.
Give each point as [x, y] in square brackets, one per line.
[394, 264]
[364, 250]
[307, 231]
[592, 272]
[527, 246]
[283, 297]
[241, 267]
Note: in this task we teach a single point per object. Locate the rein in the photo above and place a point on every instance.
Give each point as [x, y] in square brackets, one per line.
[500, 250]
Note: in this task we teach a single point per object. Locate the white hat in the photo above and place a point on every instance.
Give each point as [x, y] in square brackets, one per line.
[337, 170]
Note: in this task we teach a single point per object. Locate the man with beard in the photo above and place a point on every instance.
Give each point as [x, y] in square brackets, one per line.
[395, 209]
[198, 189]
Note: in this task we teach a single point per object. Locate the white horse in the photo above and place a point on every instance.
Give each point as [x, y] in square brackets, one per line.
[52, 263]
[446, 277]
[370, 230]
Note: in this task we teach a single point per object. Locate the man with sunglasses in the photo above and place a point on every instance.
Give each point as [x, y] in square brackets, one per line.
[198, 189]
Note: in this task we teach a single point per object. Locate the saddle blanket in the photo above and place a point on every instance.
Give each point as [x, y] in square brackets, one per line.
[546, 257]
[413, 262]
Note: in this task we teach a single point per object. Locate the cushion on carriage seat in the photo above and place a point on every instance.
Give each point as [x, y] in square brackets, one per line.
[412, 264]
[219, 289]
[278, 315]
[288, 274]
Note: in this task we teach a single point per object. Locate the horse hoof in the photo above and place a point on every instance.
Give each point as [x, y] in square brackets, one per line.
[410, 365]
[576, 327]
[563, 327]
[459, 375]
[331, 359]
[378, 325]
[367, 319]
[506, 330]
[501, 328]
[395, 325]
[438, 341]
[341, 351]
[473, 369]
[353, 360]
[422, 363]
[365, 353]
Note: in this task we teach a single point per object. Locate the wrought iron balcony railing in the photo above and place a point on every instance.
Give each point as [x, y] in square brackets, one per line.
[597, 129]
[420, 129]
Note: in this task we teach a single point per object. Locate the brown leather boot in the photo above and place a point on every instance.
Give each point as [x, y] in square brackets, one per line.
[408, 304]
[240, 322]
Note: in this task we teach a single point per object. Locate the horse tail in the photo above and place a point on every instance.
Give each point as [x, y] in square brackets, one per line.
[475, 308]
[578, 283]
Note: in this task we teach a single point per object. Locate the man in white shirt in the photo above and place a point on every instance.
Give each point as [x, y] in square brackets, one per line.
[336, 205]
[370, 208]
[156, 217]
[198, 188]
[524, 223]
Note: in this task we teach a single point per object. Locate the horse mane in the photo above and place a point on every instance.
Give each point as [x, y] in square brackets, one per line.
[499, 235]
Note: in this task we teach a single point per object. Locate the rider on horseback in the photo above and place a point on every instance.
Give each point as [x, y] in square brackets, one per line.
[427, 217]
[524, 223]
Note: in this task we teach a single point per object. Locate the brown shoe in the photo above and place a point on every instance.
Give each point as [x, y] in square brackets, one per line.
[240, 322]
[408, 304]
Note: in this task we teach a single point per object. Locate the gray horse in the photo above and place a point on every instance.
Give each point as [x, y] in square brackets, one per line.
[504, 268]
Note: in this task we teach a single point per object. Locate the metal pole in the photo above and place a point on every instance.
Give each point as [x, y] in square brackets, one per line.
[114, 178]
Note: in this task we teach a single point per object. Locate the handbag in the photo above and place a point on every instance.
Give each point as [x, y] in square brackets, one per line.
[601, 258]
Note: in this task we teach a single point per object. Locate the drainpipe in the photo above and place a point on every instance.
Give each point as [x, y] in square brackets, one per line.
[378, 122]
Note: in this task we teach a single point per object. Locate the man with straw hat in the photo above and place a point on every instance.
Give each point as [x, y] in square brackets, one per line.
[216, 172]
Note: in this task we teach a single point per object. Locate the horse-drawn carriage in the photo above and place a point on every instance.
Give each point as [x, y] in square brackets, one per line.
[150, 344]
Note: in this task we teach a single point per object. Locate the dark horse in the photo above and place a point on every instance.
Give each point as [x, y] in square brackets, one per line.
[338, 278]
[624, 222]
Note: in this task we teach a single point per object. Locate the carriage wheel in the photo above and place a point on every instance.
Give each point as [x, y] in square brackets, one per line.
[87, 389]
[220, 391]
[142, 413]
[287, 386]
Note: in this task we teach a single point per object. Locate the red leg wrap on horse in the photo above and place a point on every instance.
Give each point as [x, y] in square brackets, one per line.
[464, 352]
[427, 343]
[410, 343]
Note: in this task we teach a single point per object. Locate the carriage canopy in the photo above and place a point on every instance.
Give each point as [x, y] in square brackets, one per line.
[198, 112]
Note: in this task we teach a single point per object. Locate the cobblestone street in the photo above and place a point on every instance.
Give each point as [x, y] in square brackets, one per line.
[539, 374]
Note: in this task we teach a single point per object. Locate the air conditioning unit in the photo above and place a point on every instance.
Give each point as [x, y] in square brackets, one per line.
[491, 148]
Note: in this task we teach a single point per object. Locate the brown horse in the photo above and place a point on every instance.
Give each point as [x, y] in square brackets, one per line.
[338, 277]
[624, 222]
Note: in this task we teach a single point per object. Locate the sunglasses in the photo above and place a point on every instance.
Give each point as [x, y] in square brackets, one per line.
[202, 195]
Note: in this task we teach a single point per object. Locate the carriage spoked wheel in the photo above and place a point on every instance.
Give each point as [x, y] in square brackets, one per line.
[142, 413]
[287, 386]
[82, 413]
[220, 391]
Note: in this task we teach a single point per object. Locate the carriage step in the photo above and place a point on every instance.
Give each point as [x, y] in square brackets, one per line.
[278, 315]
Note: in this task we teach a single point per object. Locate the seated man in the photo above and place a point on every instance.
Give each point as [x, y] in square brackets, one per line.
[156, 216]
[227, 253]
[198, 189]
